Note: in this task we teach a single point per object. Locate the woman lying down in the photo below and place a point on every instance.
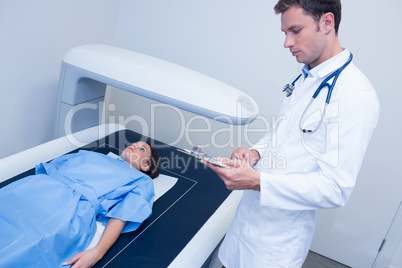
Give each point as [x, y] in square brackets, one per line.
[49, 219]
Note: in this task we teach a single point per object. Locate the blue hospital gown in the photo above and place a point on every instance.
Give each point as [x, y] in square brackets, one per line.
[47, 218]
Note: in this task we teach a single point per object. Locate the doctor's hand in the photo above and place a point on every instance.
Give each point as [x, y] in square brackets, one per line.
[243, 154]
[240, 177]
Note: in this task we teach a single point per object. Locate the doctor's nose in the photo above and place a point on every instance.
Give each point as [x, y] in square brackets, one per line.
[289, 42]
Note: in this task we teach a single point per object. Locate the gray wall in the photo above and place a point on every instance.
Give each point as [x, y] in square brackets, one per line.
[35, 35]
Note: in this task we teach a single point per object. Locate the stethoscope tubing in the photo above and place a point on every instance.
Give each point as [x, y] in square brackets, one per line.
[330, 87]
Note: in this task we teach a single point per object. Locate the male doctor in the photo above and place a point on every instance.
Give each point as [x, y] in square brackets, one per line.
[316, 168]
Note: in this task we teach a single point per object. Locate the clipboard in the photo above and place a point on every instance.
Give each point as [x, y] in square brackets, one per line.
[198, 153]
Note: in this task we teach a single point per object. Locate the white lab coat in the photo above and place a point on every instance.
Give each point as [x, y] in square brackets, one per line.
[300, 173]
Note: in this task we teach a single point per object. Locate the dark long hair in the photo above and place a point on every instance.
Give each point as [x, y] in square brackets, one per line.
[154, 163]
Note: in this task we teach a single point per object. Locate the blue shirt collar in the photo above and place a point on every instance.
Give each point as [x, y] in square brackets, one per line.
[326, 67]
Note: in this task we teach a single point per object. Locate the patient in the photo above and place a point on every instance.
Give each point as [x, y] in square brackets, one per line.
[49, 219]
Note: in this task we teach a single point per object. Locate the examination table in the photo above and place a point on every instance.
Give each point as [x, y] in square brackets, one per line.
[191, 218]
[187, 222]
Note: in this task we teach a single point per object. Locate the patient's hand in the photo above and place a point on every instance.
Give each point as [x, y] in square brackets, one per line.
[89, 257]
[85, 259]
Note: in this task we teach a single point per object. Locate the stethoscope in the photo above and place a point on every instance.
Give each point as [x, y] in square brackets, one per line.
[288, 89]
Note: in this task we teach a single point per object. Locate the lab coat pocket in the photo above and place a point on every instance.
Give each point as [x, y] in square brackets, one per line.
[314, 142]
[323, 144]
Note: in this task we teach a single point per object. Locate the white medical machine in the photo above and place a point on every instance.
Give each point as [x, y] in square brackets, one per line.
[191, 217]
[86, 70]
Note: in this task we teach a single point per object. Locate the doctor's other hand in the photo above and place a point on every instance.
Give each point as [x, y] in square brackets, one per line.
[241, 176]
[243, 154]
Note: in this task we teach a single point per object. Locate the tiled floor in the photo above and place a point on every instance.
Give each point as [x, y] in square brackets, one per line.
[315, 260]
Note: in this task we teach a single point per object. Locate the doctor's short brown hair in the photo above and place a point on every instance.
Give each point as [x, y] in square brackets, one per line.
[314, 8]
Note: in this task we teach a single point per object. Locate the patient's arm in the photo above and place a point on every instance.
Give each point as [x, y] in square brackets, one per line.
[90, 257]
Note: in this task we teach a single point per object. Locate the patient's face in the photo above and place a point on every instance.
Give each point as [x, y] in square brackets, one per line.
[137, 155]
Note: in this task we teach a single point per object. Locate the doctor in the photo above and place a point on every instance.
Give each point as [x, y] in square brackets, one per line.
[275, 220]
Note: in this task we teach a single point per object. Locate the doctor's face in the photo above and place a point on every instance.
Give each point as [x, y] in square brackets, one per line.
[138, 155]
[304, 38]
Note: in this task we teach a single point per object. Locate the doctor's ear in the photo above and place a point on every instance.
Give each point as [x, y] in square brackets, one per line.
[328, 22]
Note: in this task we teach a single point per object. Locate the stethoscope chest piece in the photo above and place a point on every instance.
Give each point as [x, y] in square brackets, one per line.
[288, 88]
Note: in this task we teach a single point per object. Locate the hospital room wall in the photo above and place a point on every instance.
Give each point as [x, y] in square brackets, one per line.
[225, 40]
[240, 43]
[35, 35]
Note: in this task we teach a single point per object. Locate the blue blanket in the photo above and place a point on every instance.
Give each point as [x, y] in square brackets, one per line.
[47, 218]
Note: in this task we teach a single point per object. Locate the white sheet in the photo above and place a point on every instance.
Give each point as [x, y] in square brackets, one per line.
[162, 184]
